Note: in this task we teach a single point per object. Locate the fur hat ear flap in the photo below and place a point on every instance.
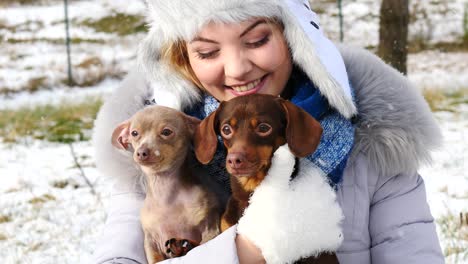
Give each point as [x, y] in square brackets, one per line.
[169, 87]
[206, 140]
[317, 56]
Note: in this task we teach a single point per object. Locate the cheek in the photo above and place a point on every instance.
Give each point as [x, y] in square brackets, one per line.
[207, 72]
[264, 59]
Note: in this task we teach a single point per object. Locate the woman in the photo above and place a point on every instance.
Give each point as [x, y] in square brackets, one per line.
[377, 128]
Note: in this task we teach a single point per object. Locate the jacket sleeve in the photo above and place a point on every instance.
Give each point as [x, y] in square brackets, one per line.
[401, 226]
[121, 240]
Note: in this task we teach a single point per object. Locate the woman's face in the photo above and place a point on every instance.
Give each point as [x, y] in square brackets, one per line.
[238, 59]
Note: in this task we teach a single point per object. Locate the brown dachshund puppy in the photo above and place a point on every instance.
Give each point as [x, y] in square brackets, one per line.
[252, 128]
[179, 211]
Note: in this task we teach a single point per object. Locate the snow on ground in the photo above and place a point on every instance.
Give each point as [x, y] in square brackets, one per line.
[439, 70]
[446, 178]
[48, 213]
[23, 61]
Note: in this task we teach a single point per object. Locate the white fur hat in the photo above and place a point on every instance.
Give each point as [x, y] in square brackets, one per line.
[171, 20]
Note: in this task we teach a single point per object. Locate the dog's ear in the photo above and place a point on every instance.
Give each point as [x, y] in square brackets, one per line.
[121, 134]
[192, 123]
[205, 140]
[303, 132]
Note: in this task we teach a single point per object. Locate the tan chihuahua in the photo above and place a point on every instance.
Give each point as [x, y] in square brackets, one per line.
[179, 211]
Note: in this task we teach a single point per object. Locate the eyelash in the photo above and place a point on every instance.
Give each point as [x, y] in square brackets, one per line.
[207, 55]
[259, 43]
[254, 45]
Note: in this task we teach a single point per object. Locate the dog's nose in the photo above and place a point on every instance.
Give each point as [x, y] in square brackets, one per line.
[142, 153]
[236, 160]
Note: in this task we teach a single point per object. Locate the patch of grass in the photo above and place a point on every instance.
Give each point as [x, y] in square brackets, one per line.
[120, 23]
[3, 237]
[94, 72]
[435, 98]
[7, 91]
[5, 219]
[51, 41]
[42, 199]
[455, 234]
[60, 184]
[25, 26]
[418, 45]
[63, 123]
[18, 2]
[26, 2]
[440, 100]
[36, 246]
[3, 24]
[36, 84]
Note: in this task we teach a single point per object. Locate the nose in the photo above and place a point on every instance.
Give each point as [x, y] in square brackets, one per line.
[237, 66]
[143, 153]
[236, 160]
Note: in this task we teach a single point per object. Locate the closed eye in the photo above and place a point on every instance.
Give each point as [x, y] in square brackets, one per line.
[258, 43]
[206, 55]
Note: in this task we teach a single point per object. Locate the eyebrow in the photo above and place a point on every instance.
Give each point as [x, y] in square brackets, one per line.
[203, 39]
[247, 30]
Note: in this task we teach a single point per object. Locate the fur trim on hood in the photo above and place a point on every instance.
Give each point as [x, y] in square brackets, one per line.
[395, 129]
[182, 19]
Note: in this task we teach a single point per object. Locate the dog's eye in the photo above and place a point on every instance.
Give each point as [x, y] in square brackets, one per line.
[226, 130]
[264, 129]
[135, 133]
[166, 132]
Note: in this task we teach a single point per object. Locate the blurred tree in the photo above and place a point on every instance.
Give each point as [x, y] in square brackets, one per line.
[393, 33]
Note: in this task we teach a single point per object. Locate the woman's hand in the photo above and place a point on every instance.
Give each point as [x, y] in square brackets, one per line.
[247, 252]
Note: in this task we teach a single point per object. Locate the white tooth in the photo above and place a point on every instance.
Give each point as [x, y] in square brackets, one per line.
[247, 87]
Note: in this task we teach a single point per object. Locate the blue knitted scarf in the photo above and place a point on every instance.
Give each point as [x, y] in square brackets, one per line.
[335, 144]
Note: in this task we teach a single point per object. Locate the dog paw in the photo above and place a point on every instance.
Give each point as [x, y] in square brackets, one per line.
[179, 247]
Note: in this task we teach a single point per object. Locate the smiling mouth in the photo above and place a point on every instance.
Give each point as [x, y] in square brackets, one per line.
[249, 86]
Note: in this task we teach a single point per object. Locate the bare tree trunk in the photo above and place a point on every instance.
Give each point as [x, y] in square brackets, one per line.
[393, 33]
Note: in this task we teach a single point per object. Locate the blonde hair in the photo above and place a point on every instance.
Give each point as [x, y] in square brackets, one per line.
[175, 54]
